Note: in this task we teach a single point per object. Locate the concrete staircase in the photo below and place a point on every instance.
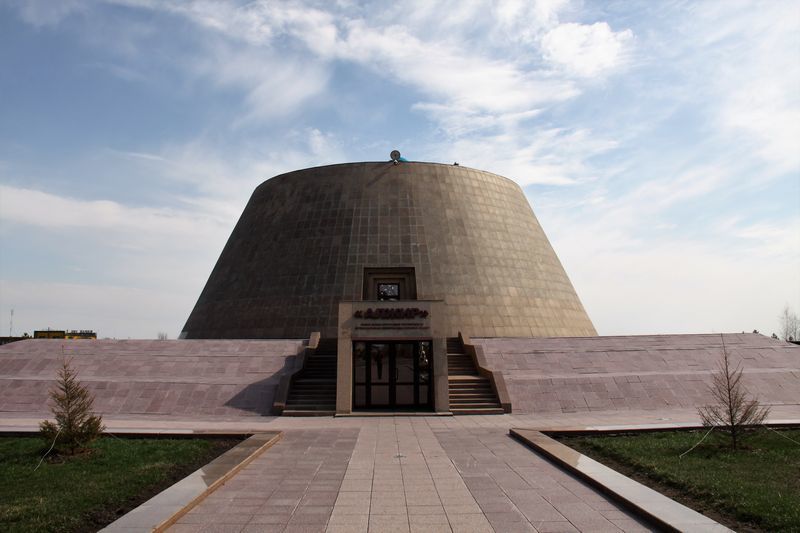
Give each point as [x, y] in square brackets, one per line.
[313, 390]
[470, 393]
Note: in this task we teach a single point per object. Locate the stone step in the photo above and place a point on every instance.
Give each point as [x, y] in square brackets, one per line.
[313, 390]
[312, 405]
[483, 393]
[313, 394]
[487, 401]
[309, 412]
[480, 382]
[477, 411]
[468, 379]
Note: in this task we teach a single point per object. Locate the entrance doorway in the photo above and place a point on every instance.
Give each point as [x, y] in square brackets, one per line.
[389, 284]
[393, 375]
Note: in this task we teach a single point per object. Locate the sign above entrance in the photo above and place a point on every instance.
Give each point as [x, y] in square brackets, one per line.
[392, 313]
[396, 349]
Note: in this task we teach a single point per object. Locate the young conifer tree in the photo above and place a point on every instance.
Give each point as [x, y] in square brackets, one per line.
[76, 425]
[733, 410]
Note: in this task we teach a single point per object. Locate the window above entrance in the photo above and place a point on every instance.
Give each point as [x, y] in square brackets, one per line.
[388, 291]
[390, 284]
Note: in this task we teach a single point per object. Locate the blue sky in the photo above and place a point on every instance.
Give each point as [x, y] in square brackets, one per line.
[658, 142]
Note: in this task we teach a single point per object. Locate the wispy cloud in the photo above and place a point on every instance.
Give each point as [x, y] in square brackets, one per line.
[38, 208]
[658, 142]
[42, 13]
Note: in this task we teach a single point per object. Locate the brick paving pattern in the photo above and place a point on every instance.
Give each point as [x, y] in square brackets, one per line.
[291, 487]
[404, 475]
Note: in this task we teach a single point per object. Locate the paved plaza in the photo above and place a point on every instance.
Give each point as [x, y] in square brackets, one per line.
[399, 473]
[404, 474]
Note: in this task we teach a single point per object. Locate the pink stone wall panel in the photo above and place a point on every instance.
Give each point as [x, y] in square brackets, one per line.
[574, 374]
[186, 377]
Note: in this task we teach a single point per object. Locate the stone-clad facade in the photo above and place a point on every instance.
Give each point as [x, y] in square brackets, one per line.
[307, 238]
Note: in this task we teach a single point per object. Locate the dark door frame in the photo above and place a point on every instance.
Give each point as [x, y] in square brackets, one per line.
[419, 403]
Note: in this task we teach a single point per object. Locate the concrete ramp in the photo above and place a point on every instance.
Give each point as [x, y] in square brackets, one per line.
[232, 378]
[575, 374]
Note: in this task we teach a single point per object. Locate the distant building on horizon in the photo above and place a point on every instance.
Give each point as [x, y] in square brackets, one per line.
[64, 334]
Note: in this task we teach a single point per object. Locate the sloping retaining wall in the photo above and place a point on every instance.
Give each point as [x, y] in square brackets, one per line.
[573, 374]
[187, 377]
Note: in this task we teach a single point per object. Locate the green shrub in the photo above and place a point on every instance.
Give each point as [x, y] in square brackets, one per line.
[76, 425]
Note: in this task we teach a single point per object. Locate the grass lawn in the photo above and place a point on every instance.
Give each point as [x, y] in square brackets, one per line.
[88, 492]
[758, 487]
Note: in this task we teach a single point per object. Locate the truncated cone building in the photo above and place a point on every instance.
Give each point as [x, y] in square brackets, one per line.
[313, 238]
[391, 266]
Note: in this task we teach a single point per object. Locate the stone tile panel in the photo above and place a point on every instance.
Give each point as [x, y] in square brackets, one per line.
[584, 374]
[304, 239]
[142, 377]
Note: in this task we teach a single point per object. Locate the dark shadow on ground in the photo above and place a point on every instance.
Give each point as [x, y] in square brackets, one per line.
[259, 396]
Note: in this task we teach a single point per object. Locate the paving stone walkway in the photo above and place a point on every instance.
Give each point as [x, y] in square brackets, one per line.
[405, 475]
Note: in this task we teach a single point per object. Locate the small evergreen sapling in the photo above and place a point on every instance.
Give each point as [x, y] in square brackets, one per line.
[733, 410]
[76, 425]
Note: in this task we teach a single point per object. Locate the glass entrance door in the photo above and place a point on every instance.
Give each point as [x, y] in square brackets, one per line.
[392, 375]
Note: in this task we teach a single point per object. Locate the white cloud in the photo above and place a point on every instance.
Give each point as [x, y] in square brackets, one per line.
[740, 60]
[546, 157]
[455, 72]
[772, 238]
[38, 208]
[586, 49]
[525, 20]
[225, 176]
[41, 13]
[438, 68]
